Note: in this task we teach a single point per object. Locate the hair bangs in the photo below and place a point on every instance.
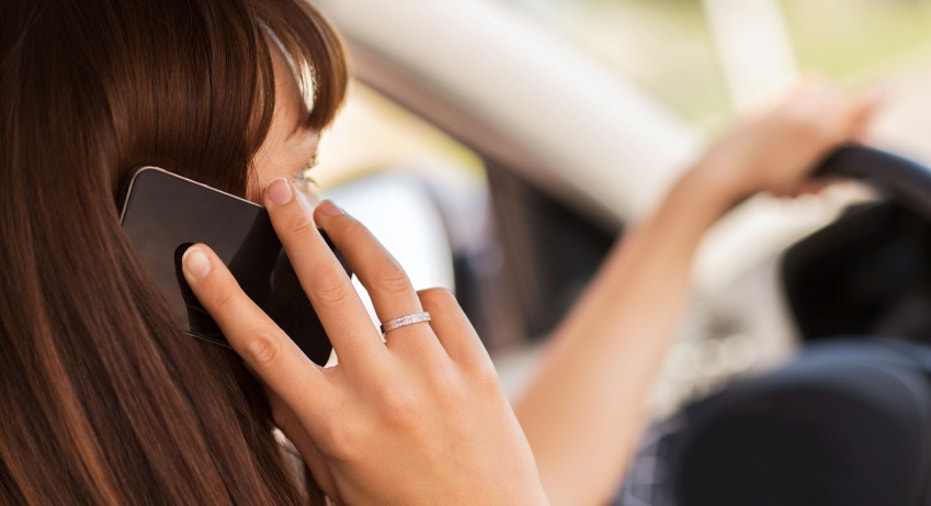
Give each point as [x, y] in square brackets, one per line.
[315, 53]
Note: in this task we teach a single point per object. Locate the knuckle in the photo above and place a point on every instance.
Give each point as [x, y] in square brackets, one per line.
[329, 289]
[479, 382]
[809, 126]
[223, 293]
[300, 225]
[262, 349]
[486, 379]
[391, 279]
[462, 387]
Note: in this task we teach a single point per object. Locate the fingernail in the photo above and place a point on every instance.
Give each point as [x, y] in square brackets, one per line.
[279, 191]
[195, 262]
[328, 208]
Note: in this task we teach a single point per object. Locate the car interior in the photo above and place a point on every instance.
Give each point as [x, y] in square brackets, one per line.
[801, 375]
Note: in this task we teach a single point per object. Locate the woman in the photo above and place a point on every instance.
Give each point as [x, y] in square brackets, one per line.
[106, 401]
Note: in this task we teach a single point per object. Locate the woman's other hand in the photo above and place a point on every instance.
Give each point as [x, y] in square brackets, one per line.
[583, 409]
[775, 149]
[419, 419]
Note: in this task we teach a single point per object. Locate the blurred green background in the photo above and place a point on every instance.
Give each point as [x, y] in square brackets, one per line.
[668, 46]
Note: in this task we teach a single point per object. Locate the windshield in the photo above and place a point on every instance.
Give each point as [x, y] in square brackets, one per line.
[705, 58]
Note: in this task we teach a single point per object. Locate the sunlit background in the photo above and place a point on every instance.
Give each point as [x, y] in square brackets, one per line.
[702, 58]
[705, 57]
[701, 62]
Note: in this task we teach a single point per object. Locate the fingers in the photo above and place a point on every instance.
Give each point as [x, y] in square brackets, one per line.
[389, 287]
[809, 187]
[329, 288]
[393, 295]
[453, 329]
[323, 278]
[387, 283]
[265, 348]
[850, 113]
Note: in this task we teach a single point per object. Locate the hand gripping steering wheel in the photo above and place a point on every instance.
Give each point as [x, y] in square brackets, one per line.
[848, 421]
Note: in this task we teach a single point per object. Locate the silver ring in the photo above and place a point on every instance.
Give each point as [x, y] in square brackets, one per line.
[401, 321]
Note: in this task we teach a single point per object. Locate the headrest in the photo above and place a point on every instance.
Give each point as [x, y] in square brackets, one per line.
[848, 423]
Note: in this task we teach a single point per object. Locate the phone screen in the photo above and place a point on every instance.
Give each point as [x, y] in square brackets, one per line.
[165, 213]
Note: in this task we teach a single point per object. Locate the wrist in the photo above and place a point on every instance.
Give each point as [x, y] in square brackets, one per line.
[704, 194]
[721, 178]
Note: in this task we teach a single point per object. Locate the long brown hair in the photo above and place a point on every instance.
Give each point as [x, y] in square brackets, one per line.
[103, 399]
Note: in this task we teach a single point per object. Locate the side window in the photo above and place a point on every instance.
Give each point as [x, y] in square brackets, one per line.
[454, 216]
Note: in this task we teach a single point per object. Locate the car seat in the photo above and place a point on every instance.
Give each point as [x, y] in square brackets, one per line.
[846, 423]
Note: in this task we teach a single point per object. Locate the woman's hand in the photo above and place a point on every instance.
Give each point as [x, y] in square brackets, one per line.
[419, 419]
[584, 408]
[775, 150]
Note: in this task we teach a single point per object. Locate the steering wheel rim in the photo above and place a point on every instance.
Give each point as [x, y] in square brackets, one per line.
[861, 273]
[898, 177]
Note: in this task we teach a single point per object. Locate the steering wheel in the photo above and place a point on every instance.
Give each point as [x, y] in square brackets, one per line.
[902, 179]
[868, 272]
[848, 421]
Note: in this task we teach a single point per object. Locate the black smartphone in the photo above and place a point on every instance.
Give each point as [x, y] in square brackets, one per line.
[164, 213]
